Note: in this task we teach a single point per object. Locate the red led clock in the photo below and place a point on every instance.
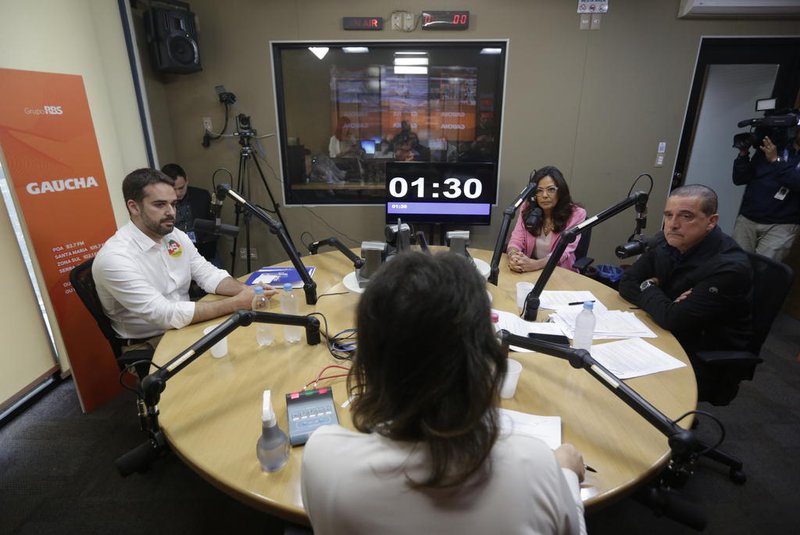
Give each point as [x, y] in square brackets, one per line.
[445, 20]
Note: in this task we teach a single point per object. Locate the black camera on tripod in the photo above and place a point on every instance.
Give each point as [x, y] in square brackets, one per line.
[779, 125]
[243, 126]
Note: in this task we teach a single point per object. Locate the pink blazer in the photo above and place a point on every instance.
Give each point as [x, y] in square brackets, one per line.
[525, 241]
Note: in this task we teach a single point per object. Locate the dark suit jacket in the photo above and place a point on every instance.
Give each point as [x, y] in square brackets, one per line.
[717, 314]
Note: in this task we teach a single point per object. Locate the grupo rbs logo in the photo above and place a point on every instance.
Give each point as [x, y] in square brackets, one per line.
[44, 110]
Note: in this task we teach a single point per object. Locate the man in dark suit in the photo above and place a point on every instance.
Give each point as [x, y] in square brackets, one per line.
[193, 203]
[695, 281]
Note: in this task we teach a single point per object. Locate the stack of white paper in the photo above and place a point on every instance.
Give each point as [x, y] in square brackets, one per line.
[633, 358]
[609, 324]
[554, 300]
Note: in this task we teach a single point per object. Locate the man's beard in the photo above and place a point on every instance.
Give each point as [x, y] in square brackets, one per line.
[160, 228]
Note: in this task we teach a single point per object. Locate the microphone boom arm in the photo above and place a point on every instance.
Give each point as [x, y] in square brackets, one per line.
[358, 262]
[309, 286]
[682, 442]
[152, 385]
[531, 308]
[508, 214]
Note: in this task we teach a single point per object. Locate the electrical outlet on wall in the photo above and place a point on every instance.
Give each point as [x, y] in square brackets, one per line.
[402, 21]
[408, 21]
[397, 21]
[207, 125]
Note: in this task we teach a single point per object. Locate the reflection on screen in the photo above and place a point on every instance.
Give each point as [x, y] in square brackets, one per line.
[437, 102]
[368, 146]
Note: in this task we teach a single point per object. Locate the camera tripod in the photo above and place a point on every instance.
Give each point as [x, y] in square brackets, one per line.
[246, 153]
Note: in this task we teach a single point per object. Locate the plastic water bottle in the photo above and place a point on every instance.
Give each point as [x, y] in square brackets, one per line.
[289, 305]
[265, 332]
[272, 448]
[584, 327]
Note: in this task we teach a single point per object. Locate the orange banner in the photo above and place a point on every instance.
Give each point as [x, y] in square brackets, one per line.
[48, 139]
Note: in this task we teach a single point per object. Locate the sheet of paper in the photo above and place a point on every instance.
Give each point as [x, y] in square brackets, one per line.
[545, 428]
[633, 358]
[553, 300]
[610, 324]
[516, 325]
[264, 278]
[277, 276]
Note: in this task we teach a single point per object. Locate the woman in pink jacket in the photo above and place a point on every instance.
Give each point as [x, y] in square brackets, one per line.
[544, 216]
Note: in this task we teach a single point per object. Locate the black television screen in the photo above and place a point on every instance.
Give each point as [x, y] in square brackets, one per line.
[348, 110]
[440, 192]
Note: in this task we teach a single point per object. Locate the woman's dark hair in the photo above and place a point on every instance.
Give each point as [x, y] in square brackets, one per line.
[428, 368]
[562, 211]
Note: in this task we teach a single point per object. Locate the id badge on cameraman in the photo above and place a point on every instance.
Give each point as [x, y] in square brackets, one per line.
[782, 193]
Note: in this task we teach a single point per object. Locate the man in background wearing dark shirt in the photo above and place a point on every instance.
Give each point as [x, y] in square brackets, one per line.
[695, 281]
[193, 203]
[769, 218]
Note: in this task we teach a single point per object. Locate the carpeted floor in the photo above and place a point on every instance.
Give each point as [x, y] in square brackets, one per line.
[57, 473]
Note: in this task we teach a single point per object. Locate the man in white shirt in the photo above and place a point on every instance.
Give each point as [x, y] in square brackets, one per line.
[143, 272]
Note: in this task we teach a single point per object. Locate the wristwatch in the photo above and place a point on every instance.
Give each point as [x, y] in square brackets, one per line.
[646, 284]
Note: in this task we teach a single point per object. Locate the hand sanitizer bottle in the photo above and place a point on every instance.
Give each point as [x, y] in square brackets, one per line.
[272, 448]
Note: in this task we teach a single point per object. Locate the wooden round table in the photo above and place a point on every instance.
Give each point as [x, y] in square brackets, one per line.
[211, 410]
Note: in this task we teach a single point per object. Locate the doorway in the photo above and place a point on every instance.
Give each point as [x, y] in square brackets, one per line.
[730, 75]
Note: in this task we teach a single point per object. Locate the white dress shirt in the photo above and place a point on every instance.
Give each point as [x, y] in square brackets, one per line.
[144, 285]
[357, 483]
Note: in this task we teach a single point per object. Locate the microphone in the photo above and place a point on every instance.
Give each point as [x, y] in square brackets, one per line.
[641, 210]
[217, 228]
[374, 254]
[636, 245]
[140, 458]
[458, 241]
[399, 236]
[533, 219]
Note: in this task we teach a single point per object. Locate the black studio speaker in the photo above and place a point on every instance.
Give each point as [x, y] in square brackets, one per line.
[172, 35]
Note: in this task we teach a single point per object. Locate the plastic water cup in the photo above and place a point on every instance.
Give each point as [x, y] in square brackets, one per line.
[512, 378]
[220, 349]
[523, 289]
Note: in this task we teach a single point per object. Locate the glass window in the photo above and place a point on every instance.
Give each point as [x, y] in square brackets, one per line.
[347, 110]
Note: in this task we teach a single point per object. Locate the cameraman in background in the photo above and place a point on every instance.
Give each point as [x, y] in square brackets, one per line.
[769, 217]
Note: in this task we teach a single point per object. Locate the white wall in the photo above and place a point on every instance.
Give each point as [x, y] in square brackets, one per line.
[82, 37]
[596, 104]
[730, 95]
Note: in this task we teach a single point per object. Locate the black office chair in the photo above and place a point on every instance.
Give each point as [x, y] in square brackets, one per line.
[582, 261]
[83, 282]
[721, 371]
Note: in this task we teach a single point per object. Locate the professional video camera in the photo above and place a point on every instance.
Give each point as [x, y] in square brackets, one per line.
[779, 125]
[244, 126]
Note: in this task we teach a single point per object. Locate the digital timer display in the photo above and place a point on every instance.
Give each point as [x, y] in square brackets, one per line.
[440, 192]
[445, 20]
